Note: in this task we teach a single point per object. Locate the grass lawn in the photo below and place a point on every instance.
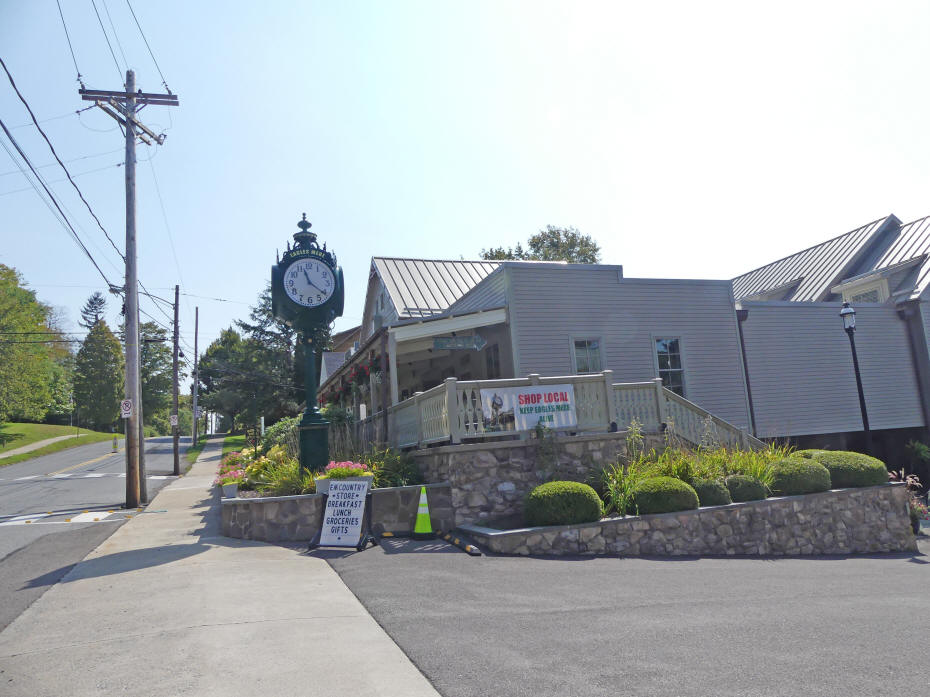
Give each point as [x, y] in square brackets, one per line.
[14, 435]
[231, 443]
[194, 451]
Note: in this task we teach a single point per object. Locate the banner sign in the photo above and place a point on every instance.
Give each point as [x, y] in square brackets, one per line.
[521, 408]
[345, 508]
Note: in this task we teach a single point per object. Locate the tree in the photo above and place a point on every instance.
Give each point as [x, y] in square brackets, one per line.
[98, 377]
[93, 310]
[552, 244]
[156, 369]
[25, 355]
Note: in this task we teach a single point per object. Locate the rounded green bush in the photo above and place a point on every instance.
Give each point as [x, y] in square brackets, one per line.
[849, 469]
[799, 475]
[742, 487]
[712, 492]
[664, 495]
[562, 503]
[810, 454]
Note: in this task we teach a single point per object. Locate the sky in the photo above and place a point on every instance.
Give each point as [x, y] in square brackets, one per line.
[690, 140]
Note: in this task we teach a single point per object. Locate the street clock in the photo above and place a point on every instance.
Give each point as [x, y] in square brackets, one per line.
[308, 293]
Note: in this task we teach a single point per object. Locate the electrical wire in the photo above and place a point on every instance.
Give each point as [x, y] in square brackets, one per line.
[55, 118]
[52, 148]
[164, 216]
[115, 35]
[105, 36]
[150, 50]
[56, 181]
[53, 164]
[70, 47]
[63, 219]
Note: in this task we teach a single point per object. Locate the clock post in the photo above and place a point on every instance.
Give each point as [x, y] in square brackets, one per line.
[308, 293]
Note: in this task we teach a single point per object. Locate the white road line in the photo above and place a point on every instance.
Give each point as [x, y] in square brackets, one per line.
[95, 474]
[24, 519]
[89, 517]
[31, 476]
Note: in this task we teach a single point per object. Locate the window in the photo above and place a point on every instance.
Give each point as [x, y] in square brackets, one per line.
[587, 355]
[492, 357]
[874, 292]
[668, 360]
[869, 296]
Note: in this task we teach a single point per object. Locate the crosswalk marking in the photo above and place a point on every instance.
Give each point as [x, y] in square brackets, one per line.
[88, 517]
[31, 476]
[24, 519]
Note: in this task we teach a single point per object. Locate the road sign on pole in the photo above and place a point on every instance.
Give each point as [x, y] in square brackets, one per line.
[125, 408]
[173, 420]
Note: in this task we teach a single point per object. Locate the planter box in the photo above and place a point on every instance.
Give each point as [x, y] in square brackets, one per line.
[230, 491]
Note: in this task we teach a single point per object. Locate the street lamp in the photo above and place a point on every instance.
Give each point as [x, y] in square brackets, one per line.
[848, 315]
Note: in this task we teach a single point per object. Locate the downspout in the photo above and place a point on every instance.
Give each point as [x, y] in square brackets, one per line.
[742, 316]
[909, 313]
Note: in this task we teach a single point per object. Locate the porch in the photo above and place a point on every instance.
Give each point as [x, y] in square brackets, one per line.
[452, 413]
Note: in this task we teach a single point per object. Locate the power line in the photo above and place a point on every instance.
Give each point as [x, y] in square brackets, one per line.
[52, 148]
[63, 219]
[150, 50]
[57, 181]
[77, 113]
[105, 36]
[70, 47]
[164, 216]
[115, 35]
[52, 164]
[46, 341]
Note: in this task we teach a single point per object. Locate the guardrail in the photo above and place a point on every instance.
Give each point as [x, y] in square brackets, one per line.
[451, 413]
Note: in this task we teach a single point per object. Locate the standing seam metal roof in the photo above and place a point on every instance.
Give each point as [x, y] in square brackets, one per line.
[427, 287]
[816, 269]
[820, 268]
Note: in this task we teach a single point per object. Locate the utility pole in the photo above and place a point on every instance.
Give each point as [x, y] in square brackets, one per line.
[122, 106]
[196, 373]
[175, 432]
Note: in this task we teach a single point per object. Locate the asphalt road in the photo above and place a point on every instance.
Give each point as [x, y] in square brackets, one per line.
[585, 626]
[56, 508]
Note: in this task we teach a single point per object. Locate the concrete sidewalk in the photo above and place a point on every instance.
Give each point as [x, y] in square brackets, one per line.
[38, 444]
[166, 606]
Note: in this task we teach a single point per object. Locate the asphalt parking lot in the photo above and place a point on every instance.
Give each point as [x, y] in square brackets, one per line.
[583, 626]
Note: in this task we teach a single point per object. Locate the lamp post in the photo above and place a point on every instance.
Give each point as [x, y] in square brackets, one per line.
[848, 315]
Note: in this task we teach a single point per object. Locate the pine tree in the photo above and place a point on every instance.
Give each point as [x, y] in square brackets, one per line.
[93, 310]
[98, 378]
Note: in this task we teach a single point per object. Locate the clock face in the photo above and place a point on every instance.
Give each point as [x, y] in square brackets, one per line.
[309, 282]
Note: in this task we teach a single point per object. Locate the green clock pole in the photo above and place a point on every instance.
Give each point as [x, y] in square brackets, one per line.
[313, 427]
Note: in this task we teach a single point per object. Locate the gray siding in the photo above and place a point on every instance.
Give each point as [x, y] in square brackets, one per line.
[551, 304]
[488, 294]
[801, 372]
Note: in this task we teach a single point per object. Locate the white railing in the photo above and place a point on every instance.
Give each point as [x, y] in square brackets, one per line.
[451, 412]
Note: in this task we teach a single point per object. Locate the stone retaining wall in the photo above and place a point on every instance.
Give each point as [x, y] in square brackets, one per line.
[490, 480]
[298, 518]
[844, 521]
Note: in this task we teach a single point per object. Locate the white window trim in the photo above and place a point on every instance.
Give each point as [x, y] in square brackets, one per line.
[681, 350]
[881, 285]
[574, 358]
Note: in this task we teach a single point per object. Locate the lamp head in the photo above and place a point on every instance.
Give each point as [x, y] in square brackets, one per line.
[848, 316]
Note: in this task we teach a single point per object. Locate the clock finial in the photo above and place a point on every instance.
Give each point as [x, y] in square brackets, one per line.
[305, 238]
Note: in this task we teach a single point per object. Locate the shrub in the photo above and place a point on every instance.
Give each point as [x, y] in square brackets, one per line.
[664, 495]
[848, 469]
[712, 492]
[562, 503]
[798, 475]
[279, 433]
[392, 468]
[810, 454]
[743, 487]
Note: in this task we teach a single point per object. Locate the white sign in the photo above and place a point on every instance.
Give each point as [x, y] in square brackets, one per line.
[197, 413]
[125, 408]
[345, 508]
[521, 408]
[173, 419]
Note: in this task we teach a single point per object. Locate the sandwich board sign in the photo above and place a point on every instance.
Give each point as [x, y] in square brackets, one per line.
[345, 509]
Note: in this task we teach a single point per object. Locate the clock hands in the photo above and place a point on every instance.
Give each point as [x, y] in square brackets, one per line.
[307, 276]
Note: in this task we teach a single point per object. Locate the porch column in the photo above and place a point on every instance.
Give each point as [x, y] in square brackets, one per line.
[392, 354]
